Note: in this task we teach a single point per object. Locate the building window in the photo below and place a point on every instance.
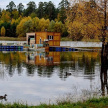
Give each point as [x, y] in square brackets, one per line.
[50, 37]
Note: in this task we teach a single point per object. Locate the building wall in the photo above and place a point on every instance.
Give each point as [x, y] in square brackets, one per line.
[42, 36]
[56, 39]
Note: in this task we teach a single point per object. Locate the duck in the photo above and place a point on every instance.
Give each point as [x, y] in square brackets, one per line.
[68, 73]
[3, 97]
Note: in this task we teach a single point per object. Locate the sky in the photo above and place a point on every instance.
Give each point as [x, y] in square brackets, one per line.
[4, 3]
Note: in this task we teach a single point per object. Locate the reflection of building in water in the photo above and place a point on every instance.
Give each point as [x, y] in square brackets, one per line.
[47, 58]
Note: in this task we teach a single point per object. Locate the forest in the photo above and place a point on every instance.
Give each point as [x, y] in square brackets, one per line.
[77, 21]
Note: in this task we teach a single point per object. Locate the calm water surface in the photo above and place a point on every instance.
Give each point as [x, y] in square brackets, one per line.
[35, 77]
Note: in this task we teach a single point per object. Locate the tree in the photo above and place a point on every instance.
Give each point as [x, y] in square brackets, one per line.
[24, 26]
[43, 24]
[35, 24]
[59, 27]
[63, 6]
[50, 10]
[31, 7]
[5, 17]
[33, 15]
[11, 6]
[3, 31]
[83, 24]
[0, 11]
[51, 26]
[20, 8]
[15, 14]
[40, 10]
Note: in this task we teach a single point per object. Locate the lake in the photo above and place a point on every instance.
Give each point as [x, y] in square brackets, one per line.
[34, 77]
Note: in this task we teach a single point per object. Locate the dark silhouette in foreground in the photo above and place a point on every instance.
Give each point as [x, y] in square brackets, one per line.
[3, 97]
[104, 68]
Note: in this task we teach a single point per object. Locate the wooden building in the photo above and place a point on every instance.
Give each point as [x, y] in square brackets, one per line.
[49, 38]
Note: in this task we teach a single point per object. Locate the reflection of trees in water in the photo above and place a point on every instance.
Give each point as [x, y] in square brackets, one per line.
[30, 69]
[12, 60]
[10, 68]
[69, 61]
[45, 71]
[78, 62]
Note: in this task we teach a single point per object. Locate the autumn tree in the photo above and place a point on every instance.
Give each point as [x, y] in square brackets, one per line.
[82, 24]
[43, 24]
[35, 24]
[3, 31]
[5, 17]
[15, 14]
[24, 26]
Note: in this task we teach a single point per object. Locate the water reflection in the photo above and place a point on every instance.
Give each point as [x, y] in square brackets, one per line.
[33, 76]
[76, 63]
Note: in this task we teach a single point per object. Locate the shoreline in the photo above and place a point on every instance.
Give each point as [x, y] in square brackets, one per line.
[90, 103]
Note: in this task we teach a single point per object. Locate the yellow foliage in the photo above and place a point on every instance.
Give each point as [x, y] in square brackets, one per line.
[21, 29]
[43, 24]
[35, 22]
[13, 21]
[15, 14]
[5, 16]
[83, 21]
[3, 31]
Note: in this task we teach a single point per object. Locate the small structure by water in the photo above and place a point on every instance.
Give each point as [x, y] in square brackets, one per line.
[43, 39]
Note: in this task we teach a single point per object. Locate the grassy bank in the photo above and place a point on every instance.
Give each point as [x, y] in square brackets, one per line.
[92, 103]
[62, 39]
[84, 40]
[12, 39]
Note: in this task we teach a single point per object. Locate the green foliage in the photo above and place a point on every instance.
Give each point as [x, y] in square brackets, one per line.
[40, 10]
[51, 26]
[92, 103]
[3, 31]
[33, 15]
[20, 8]
[63, 6]
[31, 7]
[11, 6]
[58, 27]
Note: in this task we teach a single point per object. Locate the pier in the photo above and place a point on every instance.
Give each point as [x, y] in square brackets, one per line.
[64, 49]
[11, 48]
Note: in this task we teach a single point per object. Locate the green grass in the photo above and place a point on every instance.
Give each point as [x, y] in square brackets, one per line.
[91, 103]
[12, 39]
[65, 39]
[84, 40]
